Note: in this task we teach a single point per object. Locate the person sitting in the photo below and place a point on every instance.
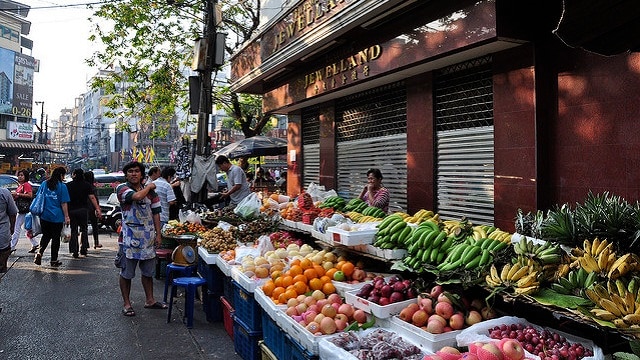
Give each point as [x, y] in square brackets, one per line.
[374, 194]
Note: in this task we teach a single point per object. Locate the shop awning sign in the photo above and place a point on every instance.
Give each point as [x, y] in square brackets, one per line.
[19, 131]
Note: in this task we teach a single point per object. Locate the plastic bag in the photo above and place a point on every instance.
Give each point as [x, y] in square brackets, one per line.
[65, 236]
[249, 206]
[265, 244]
[193, 218]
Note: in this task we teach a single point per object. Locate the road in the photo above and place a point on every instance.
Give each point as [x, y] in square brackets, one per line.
[74, 312]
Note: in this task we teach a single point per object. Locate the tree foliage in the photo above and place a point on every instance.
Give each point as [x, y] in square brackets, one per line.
[148, 48]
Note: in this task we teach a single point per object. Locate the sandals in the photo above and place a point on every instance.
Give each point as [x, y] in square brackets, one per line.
[97, 246]
[128, 312]
[38, 259]
[56, 263]
[34, 249]
[156, 305]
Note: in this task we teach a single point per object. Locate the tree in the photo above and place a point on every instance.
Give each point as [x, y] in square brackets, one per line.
[148, 45]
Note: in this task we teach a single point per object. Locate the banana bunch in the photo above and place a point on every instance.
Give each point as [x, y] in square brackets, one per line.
[575, 283]
[402, 214]
[522, 279]
[353, 215]
[427, 244]
[420, 216]
[459, 228]
[335, 202]
[471, 254]
[547, 253]
[355, 204]
[368, 218]
[392, 233]
[599, 257]
[492, 232]
[618, 303]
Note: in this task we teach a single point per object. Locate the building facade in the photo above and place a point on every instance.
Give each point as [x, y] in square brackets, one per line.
[468, 108]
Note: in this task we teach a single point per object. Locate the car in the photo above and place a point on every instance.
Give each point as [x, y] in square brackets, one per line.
[11, 183]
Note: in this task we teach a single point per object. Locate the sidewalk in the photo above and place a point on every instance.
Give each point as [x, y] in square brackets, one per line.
[74, 312]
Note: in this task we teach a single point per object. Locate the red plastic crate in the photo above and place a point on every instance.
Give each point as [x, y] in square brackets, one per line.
[227, 316]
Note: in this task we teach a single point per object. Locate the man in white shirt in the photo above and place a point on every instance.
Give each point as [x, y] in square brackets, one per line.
[165, 192]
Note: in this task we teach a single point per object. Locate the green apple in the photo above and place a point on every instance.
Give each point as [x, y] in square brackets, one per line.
[339, 276]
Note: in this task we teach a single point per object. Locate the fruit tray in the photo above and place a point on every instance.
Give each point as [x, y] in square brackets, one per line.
[206, 256]
[289, 223]
[479, 332]
[298, 333]
[245, 282]
[351, 238]
[342, 287]
[224, 266]
[324, 237]
[378, 311]
[427, 341]
[304, 227]
[267, 305]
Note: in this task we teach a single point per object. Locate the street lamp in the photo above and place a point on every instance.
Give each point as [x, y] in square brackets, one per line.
[41, 103]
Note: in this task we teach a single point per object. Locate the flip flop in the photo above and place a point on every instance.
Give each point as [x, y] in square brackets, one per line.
[156, 305]
[128, 312]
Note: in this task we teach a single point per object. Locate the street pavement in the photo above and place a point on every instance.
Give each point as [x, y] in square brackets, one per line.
[75, 312]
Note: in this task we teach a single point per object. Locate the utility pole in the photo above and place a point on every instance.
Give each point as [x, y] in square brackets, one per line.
[41, 103]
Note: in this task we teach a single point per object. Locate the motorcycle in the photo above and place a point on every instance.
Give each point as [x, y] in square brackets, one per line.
[111, 213]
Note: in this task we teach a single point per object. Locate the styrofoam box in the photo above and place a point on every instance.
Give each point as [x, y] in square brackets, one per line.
[378, 311]
[289, 223]
[206, 257]
[224, 266]
[245, 282]
[342, 287]
[322, 236]
[427, 341]
[351, 238]
[394, 254]
[267, 304]
[304, 227]
[305, 338]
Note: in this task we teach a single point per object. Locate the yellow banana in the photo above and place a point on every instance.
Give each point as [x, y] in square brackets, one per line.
[620, 303]
[619, 323]
[528, 280]
[603, 259]
[491, 282]
[603, 314]
[494, 273]
[514, 268]
[630, 302]
[524, 270]
[589, 263]
[527, 290]
[592, 295]
[586, 245]
[610, 306]
[632, 319]
[505, 272]
[594, 247]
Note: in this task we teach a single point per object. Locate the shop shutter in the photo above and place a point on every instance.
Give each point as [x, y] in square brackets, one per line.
[310, 146]
[465, 141]
[371, 132]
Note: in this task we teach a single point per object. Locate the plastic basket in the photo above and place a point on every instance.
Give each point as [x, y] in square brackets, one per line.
[212, 275]
[227, 316]
[212, 306]
[267, 354]
[227, 287]
[273, 336]
[246, 308]
[297, 351]
[245, 341]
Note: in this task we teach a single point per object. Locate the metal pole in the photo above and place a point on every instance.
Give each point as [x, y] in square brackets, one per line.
[203, 147]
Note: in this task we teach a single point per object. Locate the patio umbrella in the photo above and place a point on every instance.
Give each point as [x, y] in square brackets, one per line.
[254, 146]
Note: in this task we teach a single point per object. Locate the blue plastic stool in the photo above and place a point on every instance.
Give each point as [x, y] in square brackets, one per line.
[191, 284]
[182, 270]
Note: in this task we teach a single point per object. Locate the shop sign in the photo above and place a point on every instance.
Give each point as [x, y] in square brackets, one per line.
[339, 73]
[300, 20]
[19, 131]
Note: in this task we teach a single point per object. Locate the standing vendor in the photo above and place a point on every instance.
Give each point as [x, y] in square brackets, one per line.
[374, 194]
[237, 185]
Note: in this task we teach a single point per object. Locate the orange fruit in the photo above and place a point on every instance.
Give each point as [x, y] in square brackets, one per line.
[315, 284]
[294, 262]
[282, 299]
[347, 269]
[268, 287]
[330, 272]
[300, 287]
[278, 281]
[300, 277]
[325, 279]
[275, 294]
[319, 269]
[291, 293]
[306, 263]
[295, 270]
[310, 273]
[287, 280]
[339, 264]
[328, 288]
[276, 274]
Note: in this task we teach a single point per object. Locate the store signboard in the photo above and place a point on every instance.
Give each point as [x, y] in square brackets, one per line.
[16, 83]
[19, 131]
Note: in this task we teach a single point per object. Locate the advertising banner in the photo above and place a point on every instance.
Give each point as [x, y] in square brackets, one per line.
[19, 131]
[16, 83]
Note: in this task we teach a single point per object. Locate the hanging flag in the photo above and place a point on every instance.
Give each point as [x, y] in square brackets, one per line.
[147, 155]
[140, 157]
[152, 154]
[122, 153]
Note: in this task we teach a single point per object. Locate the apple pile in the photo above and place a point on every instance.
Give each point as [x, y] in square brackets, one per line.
[322, 315]
[383, 292]
[546, 344]
[436, 313]
[505, 349]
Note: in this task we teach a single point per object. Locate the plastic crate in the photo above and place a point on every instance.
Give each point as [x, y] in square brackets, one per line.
[213, 275]
[246, 307]
[227, 289]
[212, 306]
[227, 316]
[297, 351]
[245, 341]
[273, 337]
[266, 352]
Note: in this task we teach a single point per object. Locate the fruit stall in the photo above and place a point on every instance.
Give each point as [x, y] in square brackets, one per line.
[332, 278]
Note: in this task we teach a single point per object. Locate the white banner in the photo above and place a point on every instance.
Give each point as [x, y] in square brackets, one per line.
[19, 131]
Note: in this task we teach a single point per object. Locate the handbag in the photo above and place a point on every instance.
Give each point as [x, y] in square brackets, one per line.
[23, 205]
[37, 205]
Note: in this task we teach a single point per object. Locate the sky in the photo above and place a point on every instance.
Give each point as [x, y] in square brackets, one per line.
[60, 41]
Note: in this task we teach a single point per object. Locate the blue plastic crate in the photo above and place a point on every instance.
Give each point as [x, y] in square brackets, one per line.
[212, 306]
[274, 337]
[228, 289]
[245, 341]
[246, 307]
[297, 351]
[213, 275]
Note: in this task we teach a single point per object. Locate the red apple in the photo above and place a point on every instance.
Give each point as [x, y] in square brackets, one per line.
[419, 318]
[436, 291]
[443, 298]
[456, 321]
[488, 313]
[444, 309]
[473, 317]
[512, 349]
[407, 313]
[426, 303]
[360, 316]
[489, 351]
[346, 309]
[435, 326]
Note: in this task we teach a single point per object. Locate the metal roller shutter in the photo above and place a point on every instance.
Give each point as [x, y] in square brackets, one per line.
[371, 131]
[465, 141]
[310, 146]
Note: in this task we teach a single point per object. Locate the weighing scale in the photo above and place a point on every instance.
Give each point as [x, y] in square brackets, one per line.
[185, 253]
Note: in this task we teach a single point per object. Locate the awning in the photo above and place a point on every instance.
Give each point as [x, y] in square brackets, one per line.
[28, 146]
[605, 27]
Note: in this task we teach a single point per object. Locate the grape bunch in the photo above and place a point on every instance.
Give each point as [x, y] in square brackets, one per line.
[546, 344]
